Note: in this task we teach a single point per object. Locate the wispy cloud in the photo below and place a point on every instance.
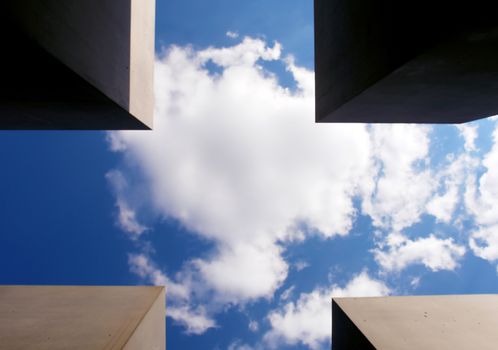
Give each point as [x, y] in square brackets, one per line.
[481, 201]
[232, 35]
[196, 321]
[399, 185]
[308, 320]
[301, 265]
[253, 326]
[126, 216]
[469, 133]
[195, 318]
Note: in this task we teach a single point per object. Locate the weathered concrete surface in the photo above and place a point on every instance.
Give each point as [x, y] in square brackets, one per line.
[82, 317]
[455, 322]
[392, 61]
[77, 64]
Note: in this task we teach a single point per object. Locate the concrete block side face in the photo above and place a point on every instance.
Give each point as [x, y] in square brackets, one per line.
[91, 37]
[143, 18]
[151, 332]
[356, 44]
[72, 317]
[360, 46]
[345, 334]
[69, 64]
[454, 82]
[66, 103]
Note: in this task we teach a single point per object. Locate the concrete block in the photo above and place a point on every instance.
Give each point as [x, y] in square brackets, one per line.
[77, 64]
[82, 318]
[386, 61]
[443, 322]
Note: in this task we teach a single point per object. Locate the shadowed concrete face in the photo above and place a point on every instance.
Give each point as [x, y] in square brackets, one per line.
[392, 61]
[454, 322]
[77, 64]
[82, 317]
[348, 335]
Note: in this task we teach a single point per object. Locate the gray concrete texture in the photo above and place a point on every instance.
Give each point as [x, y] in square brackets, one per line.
[390, 61]
[82, 318]
[77, 64]
[448, 322]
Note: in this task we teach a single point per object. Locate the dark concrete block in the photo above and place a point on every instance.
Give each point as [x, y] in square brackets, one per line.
[77, 64]
[391, 61]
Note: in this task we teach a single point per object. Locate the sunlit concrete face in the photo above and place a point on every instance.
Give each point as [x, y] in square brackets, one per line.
[77, 64]
[397, 62]
[454, 322]
[82, 318]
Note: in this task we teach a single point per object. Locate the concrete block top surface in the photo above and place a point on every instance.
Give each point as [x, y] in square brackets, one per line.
[81, 317]
[426, 322]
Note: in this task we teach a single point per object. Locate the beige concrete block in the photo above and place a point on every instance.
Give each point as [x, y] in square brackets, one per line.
[82, 317]
[451, 322]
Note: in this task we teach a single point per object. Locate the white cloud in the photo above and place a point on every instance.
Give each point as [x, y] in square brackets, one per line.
[232, 35]
[403, 186]
[238, 159]
[253, 326]
[301, 265]
[434, 253]
[415, 282]
[195, 319]
[141, 265]
[397, 196]
[305, 79]
[126, 217]
[309, 319]
[451, 178]
[286, 294]
[244, 271]
[469, 134]
[481, 199]
[484, 242]
[238, 345]
[481, 202]
[405, 189]
[443, 206]
[247, 53]
[245, 171]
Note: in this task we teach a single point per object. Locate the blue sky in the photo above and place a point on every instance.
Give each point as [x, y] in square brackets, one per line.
[252, 215]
